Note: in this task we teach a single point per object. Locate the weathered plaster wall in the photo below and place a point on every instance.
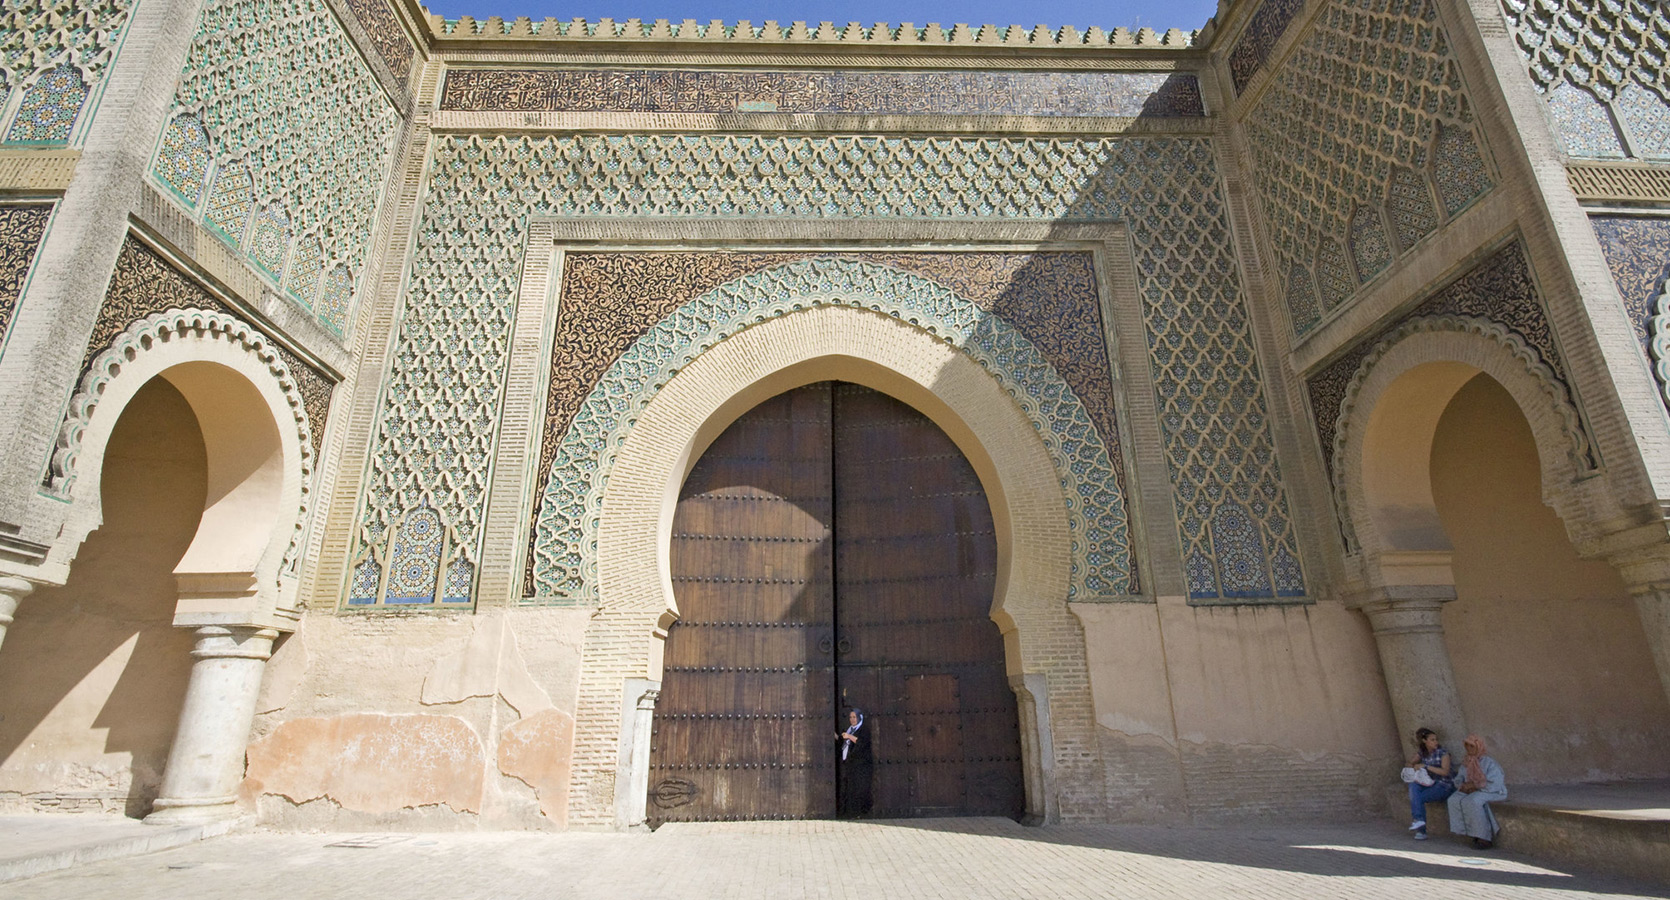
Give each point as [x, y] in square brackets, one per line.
[421, 721]
[1549, 652]
[1224, 714]
[104, 668]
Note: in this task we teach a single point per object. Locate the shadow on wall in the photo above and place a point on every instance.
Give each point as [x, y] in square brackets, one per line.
[1550, 657]
[105, 668]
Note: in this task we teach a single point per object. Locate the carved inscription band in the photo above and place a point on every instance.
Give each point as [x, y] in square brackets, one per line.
[877, 93]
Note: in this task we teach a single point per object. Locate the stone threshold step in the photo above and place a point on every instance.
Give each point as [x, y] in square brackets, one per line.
[37, 844]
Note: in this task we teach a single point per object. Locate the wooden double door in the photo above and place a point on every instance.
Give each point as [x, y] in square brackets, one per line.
[833, 549]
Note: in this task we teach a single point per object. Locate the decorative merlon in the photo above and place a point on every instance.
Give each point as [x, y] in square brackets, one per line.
[906, 33]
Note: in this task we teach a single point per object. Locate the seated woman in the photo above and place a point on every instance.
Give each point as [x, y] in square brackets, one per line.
[1436, 761]
[1481, 782]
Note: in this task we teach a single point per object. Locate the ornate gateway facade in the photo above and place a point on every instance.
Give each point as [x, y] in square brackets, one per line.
[414, 423]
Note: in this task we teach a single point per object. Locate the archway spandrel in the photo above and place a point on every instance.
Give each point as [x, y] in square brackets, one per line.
[581, 465]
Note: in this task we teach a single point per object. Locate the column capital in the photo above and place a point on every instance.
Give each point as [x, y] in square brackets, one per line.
[19, 586]
[13, 588]
[1410, 599]
[234, 642]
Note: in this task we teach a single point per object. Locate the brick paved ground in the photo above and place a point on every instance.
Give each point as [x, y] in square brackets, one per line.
[952, 859]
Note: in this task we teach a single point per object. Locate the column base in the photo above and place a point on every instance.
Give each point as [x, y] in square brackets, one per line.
[193, 812]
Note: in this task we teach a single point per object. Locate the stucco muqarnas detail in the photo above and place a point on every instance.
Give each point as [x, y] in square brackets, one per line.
[281, 152]
[444, 388]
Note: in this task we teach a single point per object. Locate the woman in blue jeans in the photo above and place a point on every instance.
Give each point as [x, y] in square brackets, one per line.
[1436, 760]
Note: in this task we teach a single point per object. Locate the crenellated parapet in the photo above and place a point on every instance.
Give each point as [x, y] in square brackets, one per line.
[747, 33]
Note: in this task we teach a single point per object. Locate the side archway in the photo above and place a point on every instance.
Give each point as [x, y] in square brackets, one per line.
[1383, 441]
[231, 583]
[257, 437]
[1465, 485]
[817, 343]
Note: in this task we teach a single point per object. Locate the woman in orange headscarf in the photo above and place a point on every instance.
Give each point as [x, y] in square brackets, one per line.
[1480, 782]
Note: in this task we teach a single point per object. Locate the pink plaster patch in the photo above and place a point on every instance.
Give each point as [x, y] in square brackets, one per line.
[538, 750]
[371, 763]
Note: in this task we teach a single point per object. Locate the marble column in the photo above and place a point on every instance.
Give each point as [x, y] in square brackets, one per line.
[1642, 558]
[206, 762]
[12, 591]
[1415, 659]
[632, 766]
[1654, 606]
[1032, 696]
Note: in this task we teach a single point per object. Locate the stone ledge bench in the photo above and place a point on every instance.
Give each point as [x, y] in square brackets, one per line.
[1616, 828]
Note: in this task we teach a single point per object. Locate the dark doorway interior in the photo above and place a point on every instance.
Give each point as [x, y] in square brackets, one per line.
[833, 549]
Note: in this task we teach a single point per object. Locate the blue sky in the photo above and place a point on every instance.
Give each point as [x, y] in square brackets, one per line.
[1156, 14]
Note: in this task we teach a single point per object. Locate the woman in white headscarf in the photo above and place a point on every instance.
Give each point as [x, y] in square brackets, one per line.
[1480, 783]
[856, 768]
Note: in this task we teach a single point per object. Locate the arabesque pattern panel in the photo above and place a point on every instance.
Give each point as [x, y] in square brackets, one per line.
[873, 93]
[1637, 249]
[386, 34]
[1255, 43]
[435, 435]
[278, 114]
[21, 229]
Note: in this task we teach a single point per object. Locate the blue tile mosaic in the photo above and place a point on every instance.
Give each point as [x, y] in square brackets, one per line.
[873, 93]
